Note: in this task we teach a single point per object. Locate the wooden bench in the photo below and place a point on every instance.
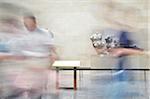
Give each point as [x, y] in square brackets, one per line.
[76, 66]
[65, 64]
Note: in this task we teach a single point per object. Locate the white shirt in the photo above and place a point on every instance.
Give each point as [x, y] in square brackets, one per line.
[35, 43]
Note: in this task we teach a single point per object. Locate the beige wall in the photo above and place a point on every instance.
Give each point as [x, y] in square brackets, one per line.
[73, 21]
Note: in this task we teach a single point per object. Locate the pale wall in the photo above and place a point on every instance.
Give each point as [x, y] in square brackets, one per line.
[73, 21]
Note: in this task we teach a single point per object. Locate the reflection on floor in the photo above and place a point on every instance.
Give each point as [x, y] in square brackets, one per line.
[97, 85]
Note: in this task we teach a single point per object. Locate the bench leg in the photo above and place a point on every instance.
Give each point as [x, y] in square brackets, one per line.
[57, 78]
[75, 78]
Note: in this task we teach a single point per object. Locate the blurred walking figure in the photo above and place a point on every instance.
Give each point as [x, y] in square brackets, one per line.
[24, 57]
[116, 43]
[30, 23]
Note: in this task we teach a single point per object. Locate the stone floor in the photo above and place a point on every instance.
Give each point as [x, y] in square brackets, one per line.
[98, 85]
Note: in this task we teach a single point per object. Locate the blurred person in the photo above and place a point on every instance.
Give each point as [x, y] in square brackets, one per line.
[23, 65]
[32, 27]
[10, 28]
[38, 48]
[118, 44]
